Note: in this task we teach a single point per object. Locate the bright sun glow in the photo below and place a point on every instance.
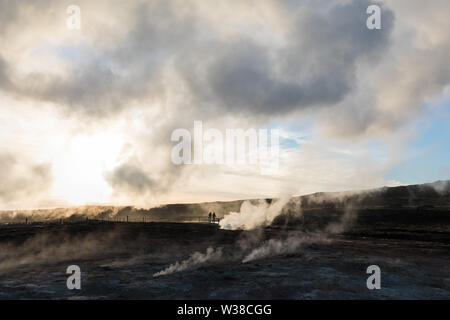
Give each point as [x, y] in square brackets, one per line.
[79, 170]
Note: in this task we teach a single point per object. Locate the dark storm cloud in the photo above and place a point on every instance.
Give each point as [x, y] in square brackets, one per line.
[109, 78]
[157, 35]
[135, 177]
[130, 177]
[89, 88]
[128, 71]
[8, 13]
[317, 67]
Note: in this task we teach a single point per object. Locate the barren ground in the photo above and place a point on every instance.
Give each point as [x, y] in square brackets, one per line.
[118, 261]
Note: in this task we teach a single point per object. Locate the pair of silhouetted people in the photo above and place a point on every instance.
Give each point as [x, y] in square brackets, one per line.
[212, 217]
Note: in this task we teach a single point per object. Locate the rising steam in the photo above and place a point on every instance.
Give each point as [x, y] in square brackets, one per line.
[275, 247]
[195, 260]
[253, 216]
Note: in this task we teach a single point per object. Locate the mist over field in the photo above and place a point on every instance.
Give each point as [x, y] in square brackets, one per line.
[174, 246]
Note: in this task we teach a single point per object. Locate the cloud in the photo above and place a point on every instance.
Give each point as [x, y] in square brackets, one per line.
[22, 181]
[315, 68]
[130, 177]
[147, 68]
[4, 75]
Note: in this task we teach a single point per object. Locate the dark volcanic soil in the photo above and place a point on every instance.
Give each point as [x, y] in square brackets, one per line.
[118, 261]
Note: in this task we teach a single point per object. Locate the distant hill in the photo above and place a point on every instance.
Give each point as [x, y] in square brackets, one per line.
[417, 198]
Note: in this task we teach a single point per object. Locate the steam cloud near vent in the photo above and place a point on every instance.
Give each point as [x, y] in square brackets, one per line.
[195, 260]
[253, 216]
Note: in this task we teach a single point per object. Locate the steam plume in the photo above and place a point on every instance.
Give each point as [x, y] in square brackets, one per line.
[195, 260]
[276, 247]
[253, 216]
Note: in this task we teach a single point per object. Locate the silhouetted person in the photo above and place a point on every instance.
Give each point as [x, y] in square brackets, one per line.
[214, 217]
[209, 217]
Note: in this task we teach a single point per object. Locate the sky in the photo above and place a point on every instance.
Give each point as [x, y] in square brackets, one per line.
[86, 115]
